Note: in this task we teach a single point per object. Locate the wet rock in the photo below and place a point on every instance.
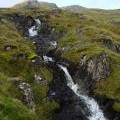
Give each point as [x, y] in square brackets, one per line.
[28, 96]
[53, 44]
[113, 46]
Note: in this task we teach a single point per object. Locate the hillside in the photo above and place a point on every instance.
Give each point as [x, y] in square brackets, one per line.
[73, 8]
[87, 42]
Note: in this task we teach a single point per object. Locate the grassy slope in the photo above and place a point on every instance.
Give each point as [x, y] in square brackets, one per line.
[81, 35]
[11, 106]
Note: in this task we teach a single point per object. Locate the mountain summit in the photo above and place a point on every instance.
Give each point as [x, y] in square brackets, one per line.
[35, 3]
[75, 8]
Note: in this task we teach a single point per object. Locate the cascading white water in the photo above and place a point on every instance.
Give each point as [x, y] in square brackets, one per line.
[33, 31]
[96, 112]
[47, 59]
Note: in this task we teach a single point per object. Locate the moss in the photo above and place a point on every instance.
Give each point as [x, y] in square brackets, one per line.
[116, 106]
[32, 55]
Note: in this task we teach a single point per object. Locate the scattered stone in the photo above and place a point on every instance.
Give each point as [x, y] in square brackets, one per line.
[9, 47]
[39, 80]
[65, 48]
[33, 61]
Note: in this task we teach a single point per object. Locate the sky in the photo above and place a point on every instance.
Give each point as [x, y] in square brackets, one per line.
[103, 4]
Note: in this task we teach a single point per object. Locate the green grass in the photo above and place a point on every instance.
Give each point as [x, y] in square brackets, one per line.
[11, 106]
[12, 109]
[116, 106]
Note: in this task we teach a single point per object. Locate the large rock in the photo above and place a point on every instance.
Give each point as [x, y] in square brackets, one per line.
[92, 71]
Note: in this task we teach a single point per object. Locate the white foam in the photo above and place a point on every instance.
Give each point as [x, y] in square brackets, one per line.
[38, 22]
[47, 59]
[96, 112]
[33, 31]
[53, 43]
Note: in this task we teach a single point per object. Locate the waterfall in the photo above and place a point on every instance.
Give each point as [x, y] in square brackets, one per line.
[33, 31]
[92, 105]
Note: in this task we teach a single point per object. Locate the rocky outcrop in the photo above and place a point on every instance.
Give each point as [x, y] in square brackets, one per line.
[113, 46]
[26, 92]
[28, 96]
[92, 71]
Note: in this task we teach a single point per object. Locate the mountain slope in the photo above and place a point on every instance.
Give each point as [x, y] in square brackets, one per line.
[85, 40]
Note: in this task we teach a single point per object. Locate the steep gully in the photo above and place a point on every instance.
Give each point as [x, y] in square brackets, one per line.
[90, 109]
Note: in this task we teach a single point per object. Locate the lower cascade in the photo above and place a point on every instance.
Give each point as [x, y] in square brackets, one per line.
[95, 111]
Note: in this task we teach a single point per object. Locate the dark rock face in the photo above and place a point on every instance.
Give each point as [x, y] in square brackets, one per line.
[93, 70]
[71, 107]
[111, 45]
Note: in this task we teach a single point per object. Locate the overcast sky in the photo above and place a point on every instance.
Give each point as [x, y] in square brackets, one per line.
[105, 4]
